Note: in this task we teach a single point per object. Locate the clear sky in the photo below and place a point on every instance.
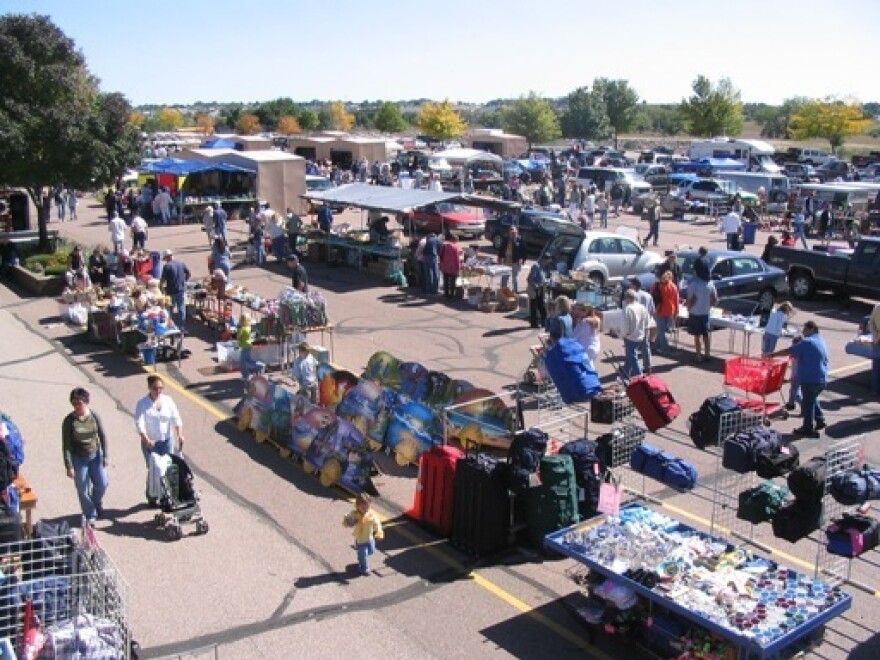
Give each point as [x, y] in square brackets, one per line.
[181, 51]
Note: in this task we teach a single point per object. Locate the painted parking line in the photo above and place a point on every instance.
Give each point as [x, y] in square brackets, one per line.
[850, 367]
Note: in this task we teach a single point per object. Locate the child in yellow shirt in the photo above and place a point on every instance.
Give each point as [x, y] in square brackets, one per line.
[366, 529]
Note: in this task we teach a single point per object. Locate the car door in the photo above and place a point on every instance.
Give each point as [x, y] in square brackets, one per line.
[722, 277]
[863, 273]
[633, 259]
[748, 277]
[605, 251]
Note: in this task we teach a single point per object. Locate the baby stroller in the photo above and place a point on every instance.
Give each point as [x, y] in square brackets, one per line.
[179, 501]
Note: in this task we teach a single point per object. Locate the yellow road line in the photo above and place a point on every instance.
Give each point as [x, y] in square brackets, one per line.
[849, 367]
[436, 552]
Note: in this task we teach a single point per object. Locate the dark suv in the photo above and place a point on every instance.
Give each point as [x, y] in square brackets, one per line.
[536, 227]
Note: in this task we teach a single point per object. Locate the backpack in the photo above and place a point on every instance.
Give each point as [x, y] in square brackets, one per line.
[526, 451]
[705, 424]
[741, 451]
[761, 503]
[656, 295]
[776, 463]
[854, 488]
[665, 468]
[588, 470]
[807, 482]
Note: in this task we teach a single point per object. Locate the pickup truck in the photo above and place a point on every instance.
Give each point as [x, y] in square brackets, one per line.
[857, 274]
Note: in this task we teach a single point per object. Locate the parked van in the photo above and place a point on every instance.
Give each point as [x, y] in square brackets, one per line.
[777, 187]
[756, 155]
[840, 195]
[813, 156]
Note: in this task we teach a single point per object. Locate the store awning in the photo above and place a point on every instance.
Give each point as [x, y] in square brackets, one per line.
[399, 200]
[181, 167]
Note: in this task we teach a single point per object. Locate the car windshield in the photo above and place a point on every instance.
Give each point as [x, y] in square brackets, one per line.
[319, 183]
[632, 177]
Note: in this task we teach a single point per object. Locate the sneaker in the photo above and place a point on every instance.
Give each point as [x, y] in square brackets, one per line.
[820, 424]
[790, 406]
[806, 433]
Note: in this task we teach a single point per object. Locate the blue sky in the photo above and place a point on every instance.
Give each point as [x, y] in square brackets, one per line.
[182, 51]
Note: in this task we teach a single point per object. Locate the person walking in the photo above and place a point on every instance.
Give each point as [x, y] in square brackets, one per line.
[653, 224]
[366, 529]
[602, 208]
[258, 240]
[512, 252]
[539, 278]
[208, 223]
[60, 202]
[159, 426]
[138, 233]
[799, 226]
[701, 297]
[118, 229]
[431, 264]
[294, 226]
[163, 203]
[72, 204]
[84, 448]
[670, 265]
[587, 330]
[666, 299]
[730, 227]
[173, 281]
[220, 220]
[635, 332]
[450, 265]
[811, 354]
[647, 300]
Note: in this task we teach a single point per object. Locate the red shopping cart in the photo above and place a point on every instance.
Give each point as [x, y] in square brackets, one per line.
[760, 377]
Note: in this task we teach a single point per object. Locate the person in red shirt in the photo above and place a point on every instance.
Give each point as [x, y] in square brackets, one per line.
[787, 239]
[666, 301]
[450, 265]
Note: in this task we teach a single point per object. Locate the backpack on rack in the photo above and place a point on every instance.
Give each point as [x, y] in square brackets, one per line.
[665, 468]
[705, 424]
[614, 449]
[807, 483]
[761, 503]
[588, 469]
[853, 535]
[770, 464]
[854, 488]
[525, 454]
[741, 451]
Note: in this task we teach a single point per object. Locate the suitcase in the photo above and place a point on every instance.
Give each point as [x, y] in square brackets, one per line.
[481, 515]
[651, 397]
[554, 504]
[438, 484]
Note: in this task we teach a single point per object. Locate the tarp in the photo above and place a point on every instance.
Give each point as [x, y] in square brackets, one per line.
[399, 200]
[219, 143]
[180, 167]
[713, 164]
[462, 156]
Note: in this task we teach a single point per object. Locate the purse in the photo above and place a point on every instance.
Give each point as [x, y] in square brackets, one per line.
[609, 495]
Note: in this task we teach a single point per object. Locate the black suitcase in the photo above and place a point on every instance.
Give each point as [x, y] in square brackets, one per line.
[481, 517]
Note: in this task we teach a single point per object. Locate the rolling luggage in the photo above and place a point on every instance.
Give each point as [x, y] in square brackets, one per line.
[438, 484]
[706, 422]
[481, 515]
[651, 397]
[552, 505]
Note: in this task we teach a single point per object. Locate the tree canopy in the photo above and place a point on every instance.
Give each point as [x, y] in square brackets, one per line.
[712, 109]
[441, 121]
[340, 118]
[57, 126]
[271, 112]
[389, 119]
[585, 117]
[288, 125]
[308, 120]
[833, 120]
[247, 124]
[532, 117]
[621, 104]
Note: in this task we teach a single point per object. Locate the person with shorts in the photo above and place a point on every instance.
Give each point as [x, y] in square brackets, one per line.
[701, 297]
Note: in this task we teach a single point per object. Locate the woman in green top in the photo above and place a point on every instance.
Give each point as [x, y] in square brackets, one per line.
[245, 338]
[84, 447]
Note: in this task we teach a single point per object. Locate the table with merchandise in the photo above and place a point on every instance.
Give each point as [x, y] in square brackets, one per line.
[756, 605]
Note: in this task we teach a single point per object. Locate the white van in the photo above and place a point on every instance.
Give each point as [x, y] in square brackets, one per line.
[777, 187]
[813, 156]
[756, 155]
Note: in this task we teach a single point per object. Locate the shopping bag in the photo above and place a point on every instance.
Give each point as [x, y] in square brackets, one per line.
[609, 495]
[33, 637]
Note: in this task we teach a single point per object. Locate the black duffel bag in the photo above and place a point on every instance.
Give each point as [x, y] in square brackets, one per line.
[705, 424]
[807, 483]
[770, 464]
[797, 520]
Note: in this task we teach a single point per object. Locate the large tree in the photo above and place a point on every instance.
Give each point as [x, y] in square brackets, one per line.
[441, 121]
[271, 112]
[56, 126]
[831, 119]
[712, 109]
[775, 120]
[621, 104]
[388, 118]
[585, 117]
[247, 124]
[308, 120]
[532, 117]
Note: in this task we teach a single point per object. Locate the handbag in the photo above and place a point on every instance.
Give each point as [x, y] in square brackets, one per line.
[853, 535]
[609, 495]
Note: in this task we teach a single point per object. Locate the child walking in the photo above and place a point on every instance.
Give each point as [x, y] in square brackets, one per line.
[366, 530]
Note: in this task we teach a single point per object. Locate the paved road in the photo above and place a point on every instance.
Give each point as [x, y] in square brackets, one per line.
[275, 574]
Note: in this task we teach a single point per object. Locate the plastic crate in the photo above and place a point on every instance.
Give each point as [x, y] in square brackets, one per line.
[228, 354]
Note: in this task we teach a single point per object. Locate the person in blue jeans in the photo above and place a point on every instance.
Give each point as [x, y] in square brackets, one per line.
[811, 354]
[84, 447]
[174, 277]
[366, 529]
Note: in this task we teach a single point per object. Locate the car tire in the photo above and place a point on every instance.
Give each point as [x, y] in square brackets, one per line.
[801, 285]
[766, 299]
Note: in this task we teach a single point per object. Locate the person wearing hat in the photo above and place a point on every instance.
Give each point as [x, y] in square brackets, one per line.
[539, 278]
[305, 372]
[671, 264]
[701, 297]
[173, 282]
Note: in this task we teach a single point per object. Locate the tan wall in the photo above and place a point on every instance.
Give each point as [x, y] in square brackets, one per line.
[509, 146]
[370, 151]
[253, 145]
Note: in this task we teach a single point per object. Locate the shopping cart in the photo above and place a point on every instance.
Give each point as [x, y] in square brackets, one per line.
[760, 377]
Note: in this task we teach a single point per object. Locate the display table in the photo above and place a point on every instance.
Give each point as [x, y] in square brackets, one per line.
[759, 607]
[864, 346]
[27, 503]
[353, 252]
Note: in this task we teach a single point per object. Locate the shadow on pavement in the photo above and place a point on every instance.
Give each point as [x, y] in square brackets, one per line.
[336, 577]
[108, 361]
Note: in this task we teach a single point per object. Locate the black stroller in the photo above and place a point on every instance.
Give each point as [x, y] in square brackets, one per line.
[179, 501]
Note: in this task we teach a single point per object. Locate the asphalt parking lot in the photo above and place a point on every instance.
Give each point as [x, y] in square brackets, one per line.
[274, 573]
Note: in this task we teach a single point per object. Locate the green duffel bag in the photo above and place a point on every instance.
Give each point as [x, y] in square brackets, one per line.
[550, 509]
[761, 503]
[557, 469]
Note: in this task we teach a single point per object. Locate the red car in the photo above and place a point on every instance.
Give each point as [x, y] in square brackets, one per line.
[445, 217]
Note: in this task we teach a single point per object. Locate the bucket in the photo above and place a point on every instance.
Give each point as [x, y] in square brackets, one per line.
[750, 230]
[148, 353]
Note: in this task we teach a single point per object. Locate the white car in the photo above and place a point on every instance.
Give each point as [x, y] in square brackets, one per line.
[604, 256]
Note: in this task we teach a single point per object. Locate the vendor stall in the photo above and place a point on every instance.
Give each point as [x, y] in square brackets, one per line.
[759, 607]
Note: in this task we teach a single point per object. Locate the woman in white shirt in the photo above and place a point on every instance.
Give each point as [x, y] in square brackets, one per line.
[587, 328]
[158, 424]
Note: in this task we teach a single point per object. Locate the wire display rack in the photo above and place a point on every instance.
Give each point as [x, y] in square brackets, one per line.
[841, 457]
[76, 591]
[728, 484]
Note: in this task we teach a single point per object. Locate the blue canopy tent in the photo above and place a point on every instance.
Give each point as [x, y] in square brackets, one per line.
[181, 167]
[710, 165]
[219, 143]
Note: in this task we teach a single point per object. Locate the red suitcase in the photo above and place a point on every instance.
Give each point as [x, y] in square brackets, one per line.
[651, 397]
[437, 480]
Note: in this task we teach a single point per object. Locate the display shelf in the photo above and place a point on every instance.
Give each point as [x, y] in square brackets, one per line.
[787, 605]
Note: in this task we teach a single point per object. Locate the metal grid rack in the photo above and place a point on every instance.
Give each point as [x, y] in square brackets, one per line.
[728, 484]
[841, 457]
[627, 437]
[72, 583]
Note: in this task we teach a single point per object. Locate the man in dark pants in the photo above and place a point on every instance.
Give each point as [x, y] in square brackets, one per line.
[299, 277]
[174, 277]
[539, 278]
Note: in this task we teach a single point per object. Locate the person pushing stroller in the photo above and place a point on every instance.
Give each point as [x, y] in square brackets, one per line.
[160, 428]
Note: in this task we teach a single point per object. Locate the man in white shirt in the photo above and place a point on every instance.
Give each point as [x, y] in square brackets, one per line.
[730, 226]
[159, 426]
[117, 233]
[208, 223]
[590, 208]
[138, 232]
[635, 333]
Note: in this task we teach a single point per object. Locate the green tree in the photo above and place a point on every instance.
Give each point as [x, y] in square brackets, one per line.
[621, 104]
[831, 119]
[56, 124]
[585, 117]
[532, 117]
[441, 121]
[388, 118]
[170, 119]
[712, 109]
[308, 120]
[775, 121]
[271, 112]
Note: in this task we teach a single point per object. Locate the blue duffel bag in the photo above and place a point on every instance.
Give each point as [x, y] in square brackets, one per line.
[665, 468]
[741, 451]
[854, 488]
